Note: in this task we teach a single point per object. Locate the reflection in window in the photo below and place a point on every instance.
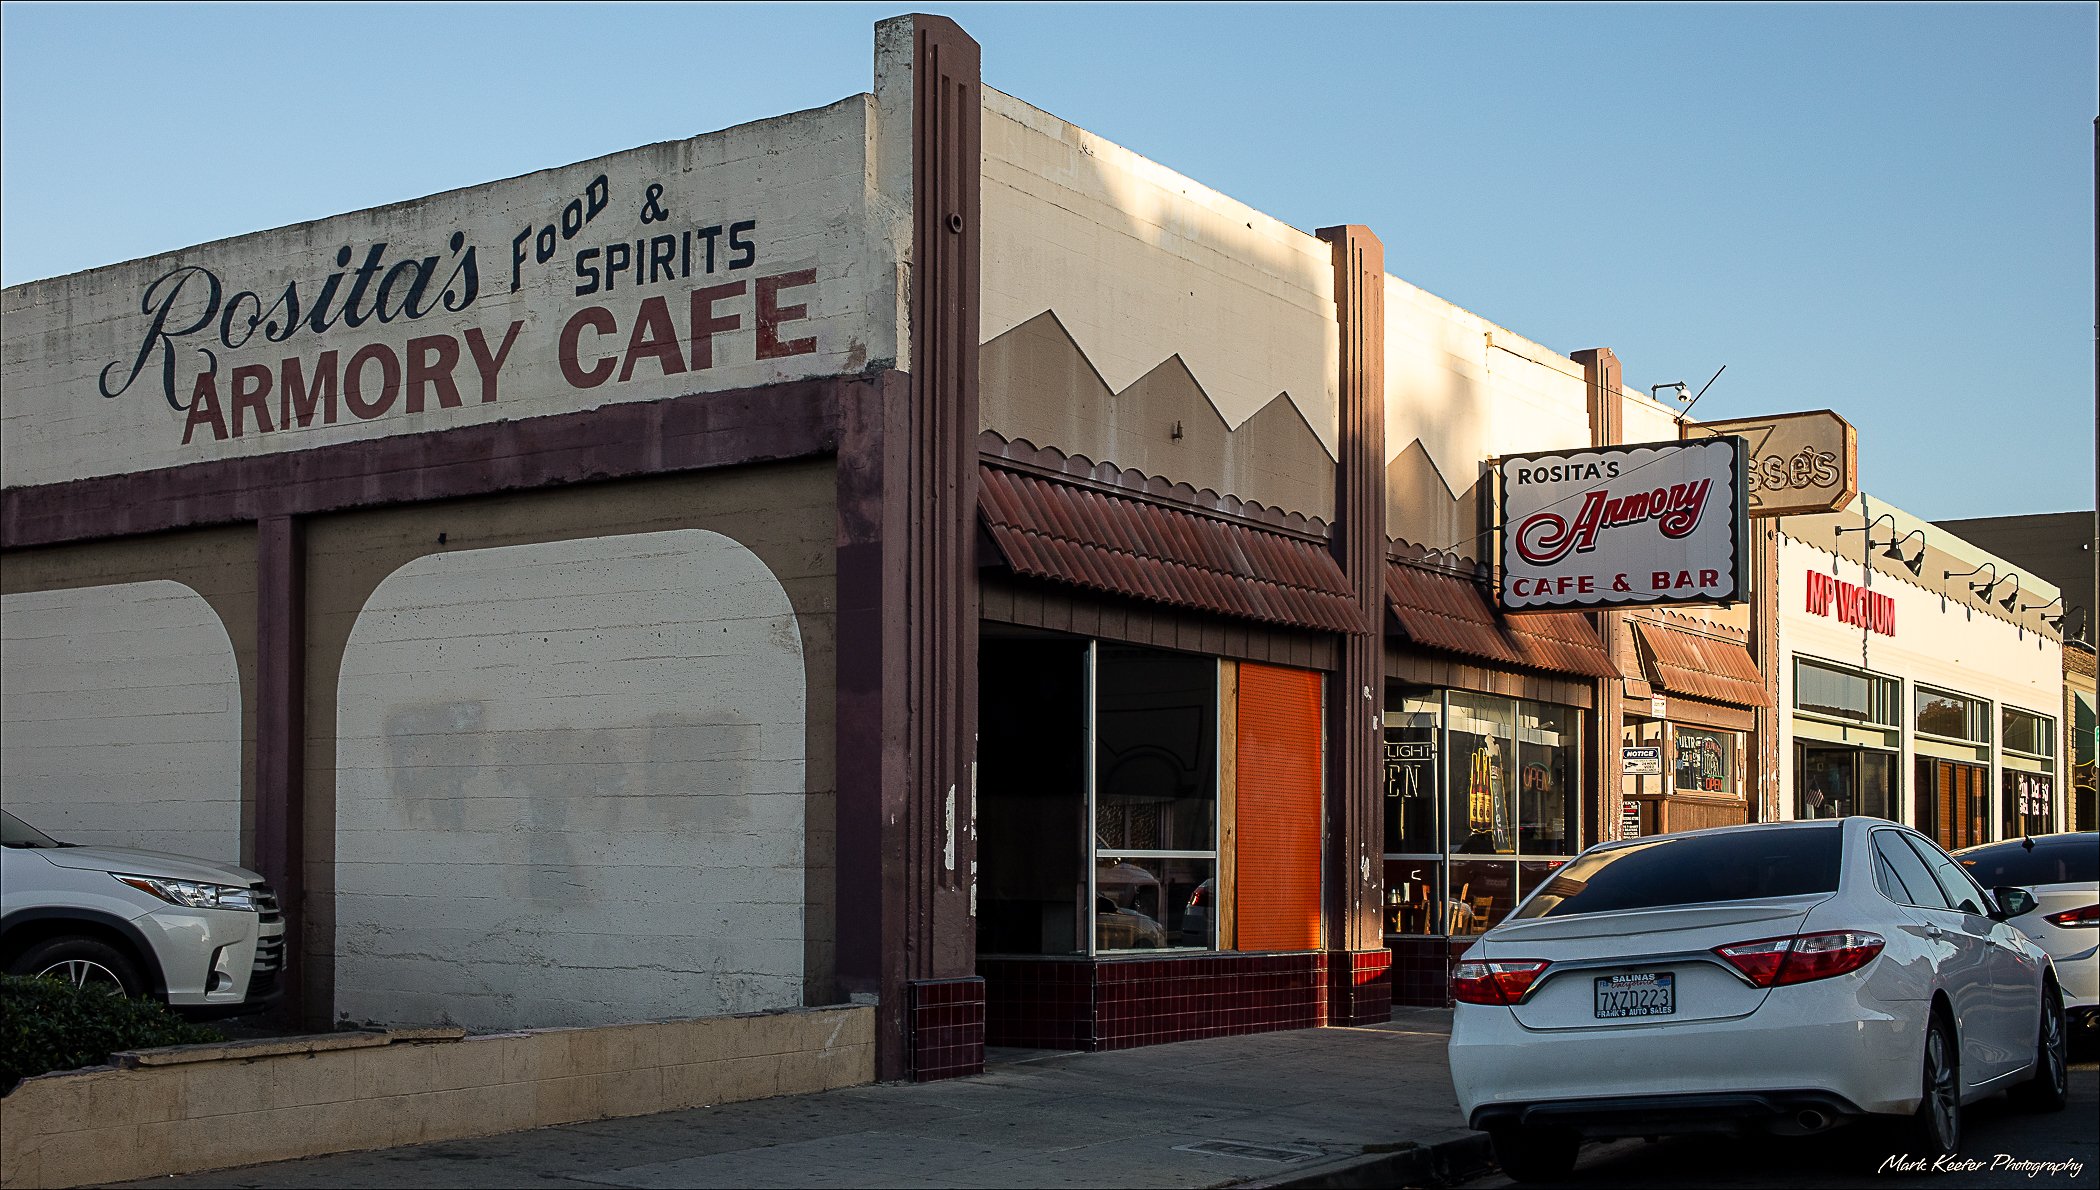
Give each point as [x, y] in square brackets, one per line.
[2028, 733]
[1155, 799]
[1844, 694]
[1953, 716]
[1951, 801]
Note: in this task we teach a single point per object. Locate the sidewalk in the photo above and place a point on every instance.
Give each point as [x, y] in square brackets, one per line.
[1369, 1106]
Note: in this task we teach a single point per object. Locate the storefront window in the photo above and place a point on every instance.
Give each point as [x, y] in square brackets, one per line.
[1825, 689]
[1414, 897]
[2026, 801]
[1155, 796]
[1031, 782]
[1951, 801]
[1483, 763]
[1548, 756]
[1482, 894]
[1411, 791]
[1953, 716]
[1836, 782]
[1705, 762]
[1504, 775]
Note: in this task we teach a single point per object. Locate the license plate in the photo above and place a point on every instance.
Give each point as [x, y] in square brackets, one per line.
[1648, 993]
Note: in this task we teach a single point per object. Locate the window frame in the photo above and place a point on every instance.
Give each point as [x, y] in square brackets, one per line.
[1919, 692]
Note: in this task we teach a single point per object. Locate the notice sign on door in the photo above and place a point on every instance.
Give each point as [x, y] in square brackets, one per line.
[1629, 820]
[1640, 762]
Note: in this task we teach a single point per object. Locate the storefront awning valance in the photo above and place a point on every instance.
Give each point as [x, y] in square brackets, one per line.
[1700, 666]
[1451, 612]
[1049, 529]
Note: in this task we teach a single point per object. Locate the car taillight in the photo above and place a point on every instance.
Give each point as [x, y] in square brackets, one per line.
[1503, 981]
[1199, 898]
[1771, 962]
[2071, 919]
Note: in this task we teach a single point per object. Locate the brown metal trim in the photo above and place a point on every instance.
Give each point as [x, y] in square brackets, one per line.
[873, 770]
[280, 731]
[1600, 373]
[1057, 608]
[1080, 471]
[1355, 881]
[718, 429]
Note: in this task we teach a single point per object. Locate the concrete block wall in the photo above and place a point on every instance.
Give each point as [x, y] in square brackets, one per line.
[121, 708]
[218, 1106]
[570, 786]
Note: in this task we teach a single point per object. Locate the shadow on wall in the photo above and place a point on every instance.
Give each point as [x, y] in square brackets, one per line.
[592, 809]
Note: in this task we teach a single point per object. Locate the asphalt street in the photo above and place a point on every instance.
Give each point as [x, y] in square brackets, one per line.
[1998, 1136]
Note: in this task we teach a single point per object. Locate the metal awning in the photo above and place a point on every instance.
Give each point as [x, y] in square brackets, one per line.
[1064, 532]
[1699, 666]
[1442, 610]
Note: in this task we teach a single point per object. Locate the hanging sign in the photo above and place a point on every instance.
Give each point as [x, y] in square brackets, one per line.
[1615, 526]
[1799, 462]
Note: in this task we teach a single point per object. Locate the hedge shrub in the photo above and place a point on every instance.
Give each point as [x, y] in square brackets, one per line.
[46, 1025]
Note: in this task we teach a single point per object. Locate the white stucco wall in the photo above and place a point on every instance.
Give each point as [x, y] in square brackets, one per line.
[570, 787]
[120, 718]
[1141, 264]
[802, 182]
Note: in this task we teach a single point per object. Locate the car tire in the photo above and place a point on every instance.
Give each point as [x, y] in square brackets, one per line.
[82, 962]
[1534, 1154]
[1934, 1130]
[2049, 1089]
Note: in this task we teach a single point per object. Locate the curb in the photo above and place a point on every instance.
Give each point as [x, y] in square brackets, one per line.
[1407, 1164]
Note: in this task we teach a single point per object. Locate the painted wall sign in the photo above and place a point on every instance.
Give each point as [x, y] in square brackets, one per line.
[727, 261]
[1652, 523]
[1641, 762]
[1829, 595]
[1799, 462]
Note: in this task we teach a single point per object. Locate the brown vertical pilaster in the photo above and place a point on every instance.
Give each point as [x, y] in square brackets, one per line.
[280, 730]
[1600, 371]
[927, 818]
[1355, 879]
[1763, 794]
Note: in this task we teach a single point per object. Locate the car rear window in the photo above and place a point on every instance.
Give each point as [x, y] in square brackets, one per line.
[1692, 870]
[2075, 860]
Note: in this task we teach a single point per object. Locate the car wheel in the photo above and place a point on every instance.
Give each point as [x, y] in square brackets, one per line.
[1935, 1128]
[81, 962]
[1530, 1154]
[2049, 1089]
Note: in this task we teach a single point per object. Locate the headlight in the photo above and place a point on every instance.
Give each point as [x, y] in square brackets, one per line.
[191, 894]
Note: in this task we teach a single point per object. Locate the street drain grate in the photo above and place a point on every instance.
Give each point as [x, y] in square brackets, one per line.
[1253, 1152]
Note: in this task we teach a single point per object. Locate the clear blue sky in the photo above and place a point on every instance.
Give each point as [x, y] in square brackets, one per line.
[1886, 210]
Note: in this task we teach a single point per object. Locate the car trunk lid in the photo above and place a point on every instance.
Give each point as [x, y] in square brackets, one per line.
[1634, 963]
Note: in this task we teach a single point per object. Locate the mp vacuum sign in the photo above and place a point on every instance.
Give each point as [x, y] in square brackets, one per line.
[1614, 526]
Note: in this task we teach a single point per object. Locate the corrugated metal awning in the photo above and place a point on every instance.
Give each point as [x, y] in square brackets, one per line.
[1700, 666]
[1065, 532]
[1447, 611]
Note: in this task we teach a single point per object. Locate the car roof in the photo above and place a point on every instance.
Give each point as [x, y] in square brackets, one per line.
[2061, 839]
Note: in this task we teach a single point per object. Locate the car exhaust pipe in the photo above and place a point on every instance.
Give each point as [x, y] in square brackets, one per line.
[1812, 1120]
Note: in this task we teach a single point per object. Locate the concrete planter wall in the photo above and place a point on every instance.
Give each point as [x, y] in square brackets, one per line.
[192, 1108]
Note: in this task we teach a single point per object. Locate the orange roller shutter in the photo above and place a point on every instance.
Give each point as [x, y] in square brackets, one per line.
[1278, 755]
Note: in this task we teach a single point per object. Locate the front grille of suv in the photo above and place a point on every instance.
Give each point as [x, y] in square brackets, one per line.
[269, 949]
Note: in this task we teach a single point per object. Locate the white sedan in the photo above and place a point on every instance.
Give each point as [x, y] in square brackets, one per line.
[2063, 873]
[1781, 978]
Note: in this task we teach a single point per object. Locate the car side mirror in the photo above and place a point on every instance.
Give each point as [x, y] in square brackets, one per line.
[2012, 902]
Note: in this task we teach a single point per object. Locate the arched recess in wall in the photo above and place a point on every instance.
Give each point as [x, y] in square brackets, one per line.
[120, 718]
[570, 787]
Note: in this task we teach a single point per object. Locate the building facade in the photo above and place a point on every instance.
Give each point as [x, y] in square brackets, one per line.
[913, 552]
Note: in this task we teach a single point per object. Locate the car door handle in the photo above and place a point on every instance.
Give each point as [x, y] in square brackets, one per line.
[1933, 931]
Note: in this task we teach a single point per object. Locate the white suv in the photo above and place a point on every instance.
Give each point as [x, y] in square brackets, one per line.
[205, 938]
